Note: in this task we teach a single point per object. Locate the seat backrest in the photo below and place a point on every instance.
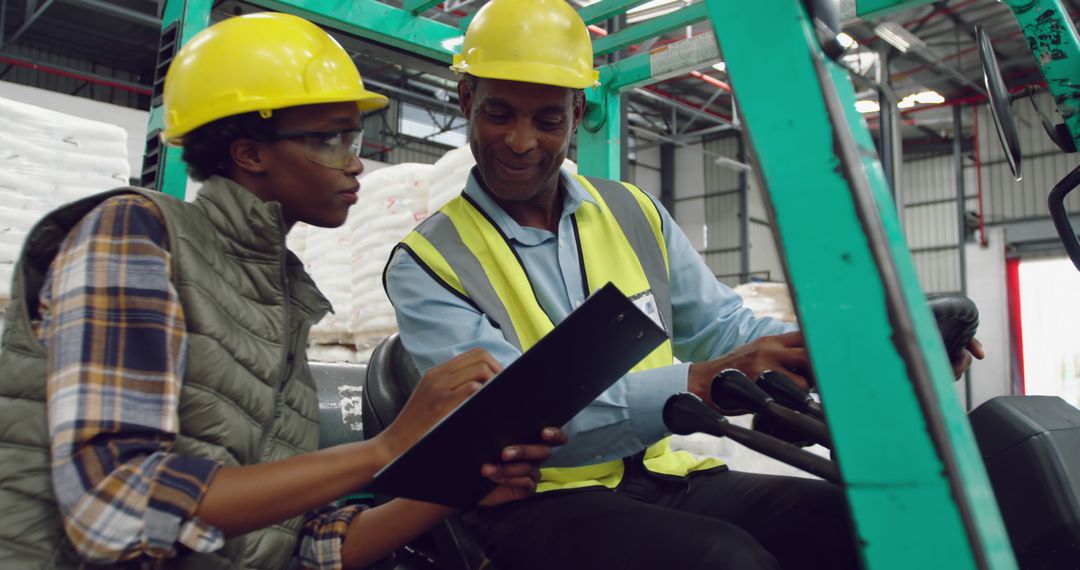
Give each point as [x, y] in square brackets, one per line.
[391, 377]
[1031, 448]
[390, 380]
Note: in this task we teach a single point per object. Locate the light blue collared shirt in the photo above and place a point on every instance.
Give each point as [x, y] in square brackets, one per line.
[709, 321]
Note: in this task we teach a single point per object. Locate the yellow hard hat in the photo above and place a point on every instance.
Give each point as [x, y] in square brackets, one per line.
[258, 62]
[535, 41]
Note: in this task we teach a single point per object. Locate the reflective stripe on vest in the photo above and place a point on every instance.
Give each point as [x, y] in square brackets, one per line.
[620, 240]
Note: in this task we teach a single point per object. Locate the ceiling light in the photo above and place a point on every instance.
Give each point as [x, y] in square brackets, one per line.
[732, 164]
[899, 37]
[929, 98]
[921, 98]
[653, 9]
[867, 106]
[652, 5]
[846, 41]
[863, 61]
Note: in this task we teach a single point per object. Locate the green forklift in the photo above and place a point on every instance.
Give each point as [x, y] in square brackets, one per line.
[928, 485]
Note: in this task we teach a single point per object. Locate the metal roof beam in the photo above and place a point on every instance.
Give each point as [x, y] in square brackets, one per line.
[683, 107]
[650, 28]
[420, 6]
[662, 63]
[378, 22]
[606, 9]
[31, 17]
[118, 11]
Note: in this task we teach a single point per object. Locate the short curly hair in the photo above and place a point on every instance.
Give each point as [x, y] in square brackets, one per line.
[206, 149]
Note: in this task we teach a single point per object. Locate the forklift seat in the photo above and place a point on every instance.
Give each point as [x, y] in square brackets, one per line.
[391, 378]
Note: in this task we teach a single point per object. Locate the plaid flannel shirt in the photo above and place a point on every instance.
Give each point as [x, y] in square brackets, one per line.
[115, 332]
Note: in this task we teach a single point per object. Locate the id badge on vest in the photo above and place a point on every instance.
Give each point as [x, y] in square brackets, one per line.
[646, 302]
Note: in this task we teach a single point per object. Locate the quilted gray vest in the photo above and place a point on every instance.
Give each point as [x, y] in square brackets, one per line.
[248, 396]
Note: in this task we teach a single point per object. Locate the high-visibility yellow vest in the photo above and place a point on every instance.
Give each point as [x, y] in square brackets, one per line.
[620, 240]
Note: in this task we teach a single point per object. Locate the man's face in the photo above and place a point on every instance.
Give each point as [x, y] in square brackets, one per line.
[314, 177]
[519, 134]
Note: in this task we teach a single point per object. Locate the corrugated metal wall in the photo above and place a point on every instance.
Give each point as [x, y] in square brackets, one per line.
[723, 247]
[1043, 166]
[930, 219]
[928, 191]
[709, 213]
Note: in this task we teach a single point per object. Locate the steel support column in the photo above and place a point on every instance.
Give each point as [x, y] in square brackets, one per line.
[961, 230]
[744, 213]
[667, 177]
[889, 117]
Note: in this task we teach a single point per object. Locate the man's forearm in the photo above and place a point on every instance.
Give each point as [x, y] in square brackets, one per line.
[375, 533]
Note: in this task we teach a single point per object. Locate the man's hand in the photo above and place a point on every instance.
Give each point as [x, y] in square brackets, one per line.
[440, 391]
[519, 472]
[974, 348]
[785, 353]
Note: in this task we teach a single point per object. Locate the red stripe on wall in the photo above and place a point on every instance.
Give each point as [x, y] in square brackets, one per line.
[1016, 332]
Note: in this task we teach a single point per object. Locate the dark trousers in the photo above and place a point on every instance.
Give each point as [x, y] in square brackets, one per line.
[717, 520]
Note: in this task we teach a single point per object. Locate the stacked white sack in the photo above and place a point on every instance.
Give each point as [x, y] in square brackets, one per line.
[347, 262]
[768, 300]
[47, 159]
[397, 201]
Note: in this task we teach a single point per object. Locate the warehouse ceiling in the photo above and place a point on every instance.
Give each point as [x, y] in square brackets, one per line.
[111, 45]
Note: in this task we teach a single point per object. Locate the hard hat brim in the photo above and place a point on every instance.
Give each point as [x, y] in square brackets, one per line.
[365, 101]
[539, 73]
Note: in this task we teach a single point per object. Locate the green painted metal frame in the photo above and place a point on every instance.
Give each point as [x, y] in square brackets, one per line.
[377, 22]
[192, 16]
[909, 459]
[417, 7]
[1053, 41]
[649, 29]
[914, 479]
[599, 139]
[607, 9]
[879, 8]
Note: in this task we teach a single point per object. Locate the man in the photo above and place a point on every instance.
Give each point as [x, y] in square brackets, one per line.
[523, 246]
[156, 407]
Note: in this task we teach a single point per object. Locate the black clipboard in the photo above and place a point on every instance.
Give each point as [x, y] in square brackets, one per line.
[548, 385]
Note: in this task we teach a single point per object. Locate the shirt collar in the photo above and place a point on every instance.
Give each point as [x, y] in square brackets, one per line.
[576, 194]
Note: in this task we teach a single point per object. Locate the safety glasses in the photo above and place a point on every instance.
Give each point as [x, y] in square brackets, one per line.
[333, 149]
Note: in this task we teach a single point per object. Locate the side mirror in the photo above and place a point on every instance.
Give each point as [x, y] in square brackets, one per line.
[999, 102]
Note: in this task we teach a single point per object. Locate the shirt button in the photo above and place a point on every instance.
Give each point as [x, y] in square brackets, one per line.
[577, 303]
[561, 243]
